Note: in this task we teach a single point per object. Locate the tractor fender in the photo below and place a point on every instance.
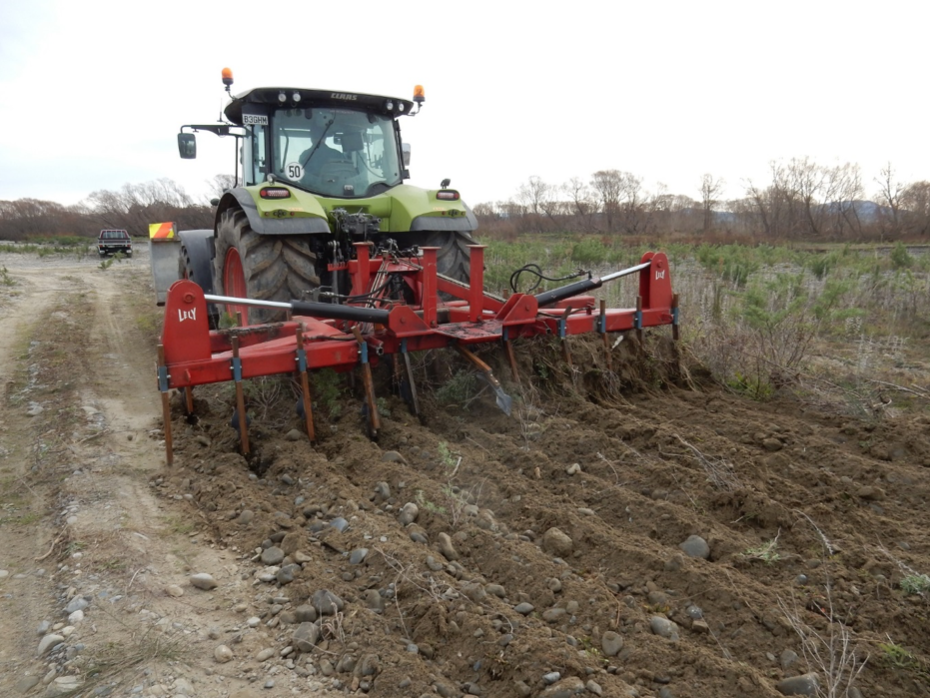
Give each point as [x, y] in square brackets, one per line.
[243, 199]
[445, 224]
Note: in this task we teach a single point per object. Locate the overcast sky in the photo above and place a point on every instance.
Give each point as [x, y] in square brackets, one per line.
[92, 92]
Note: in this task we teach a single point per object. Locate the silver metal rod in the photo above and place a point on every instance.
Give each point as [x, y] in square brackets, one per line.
[230, 300]
[625, 272]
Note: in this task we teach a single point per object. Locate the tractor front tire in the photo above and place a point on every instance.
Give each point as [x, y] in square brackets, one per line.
[195, 263]
[261, 267]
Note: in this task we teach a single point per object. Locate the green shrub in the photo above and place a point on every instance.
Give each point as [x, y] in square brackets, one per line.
[900, 257]
[915, 584]
[326, 387]
[458, 390]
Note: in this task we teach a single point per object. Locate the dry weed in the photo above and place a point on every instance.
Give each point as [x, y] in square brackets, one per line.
[831, 654]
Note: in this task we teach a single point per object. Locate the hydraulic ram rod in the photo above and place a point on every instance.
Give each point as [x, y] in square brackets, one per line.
[547, 298]
[332, 311]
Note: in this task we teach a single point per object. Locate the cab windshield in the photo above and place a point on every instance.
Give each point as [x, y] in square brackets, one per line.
[336, 152]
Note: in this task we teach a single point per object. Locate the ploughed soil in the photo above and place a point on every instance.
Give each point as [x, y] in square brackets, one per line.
[553, 552]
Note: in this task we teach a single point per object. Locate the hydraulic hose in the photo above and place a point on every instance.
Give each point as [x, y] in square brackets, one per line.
[322, 310]
[547, 298]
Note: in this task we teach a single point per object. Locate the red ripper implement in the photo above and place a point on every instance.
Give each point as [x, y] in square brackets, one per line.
[400, 312]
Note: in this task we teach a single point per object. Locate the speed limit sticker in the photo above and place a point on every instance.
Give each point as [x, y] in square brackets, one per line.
[294, 170]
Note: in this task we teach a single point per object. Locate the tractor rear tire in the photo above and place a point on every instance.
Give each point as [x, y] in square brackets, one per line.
[453, 259]
[261, 267]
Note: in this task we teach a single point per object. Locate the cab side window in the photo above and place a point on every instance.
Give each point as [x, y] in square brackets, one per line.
[259, 157]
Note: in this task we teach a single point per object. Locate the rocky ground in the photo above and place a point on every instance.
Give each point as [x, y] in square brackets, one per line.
[639, 533]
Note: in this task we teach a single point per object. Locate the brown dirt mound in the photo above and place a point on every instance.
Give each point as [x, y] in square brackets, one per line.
[575, 505]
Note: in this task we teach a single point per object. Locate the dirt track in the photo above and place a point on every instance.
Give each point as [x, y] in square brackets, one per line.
[626, 469]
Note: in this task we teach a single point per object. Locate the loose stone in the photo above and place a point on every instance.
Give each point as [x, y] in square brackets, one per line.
[611, 643]
[446, 547]
[272, 556]
[305, 613]
[664, 628]
[340, 524]
[408, 514]
[202, 580]
[305, 636]
[788, 657]
[27, 683]
[78, 603]
[695, 546]
[556, 542]
[47, 642]
[326, 602]
[804, 685]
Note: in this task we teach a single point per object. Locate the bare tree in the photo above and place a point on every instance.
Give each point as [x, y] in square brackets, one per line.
[135, 206]
[841, 195]
[915, 204]
[534, 194]
[635, 215]
[537, 198]
[681, 213]
[584, 206]
[608, 186]
[24, 218]
[806, 184]
[807, 200]
[711, 189]
[220, 184]
[486, 211]
[890, 192]
[510, 209]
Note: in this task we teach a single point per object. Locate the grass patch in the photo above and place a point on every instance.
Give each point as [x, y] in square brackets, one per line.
[178, 525]
[896, 656]
[26, 519]
[767, 552]
[114, 564]
[915, 584]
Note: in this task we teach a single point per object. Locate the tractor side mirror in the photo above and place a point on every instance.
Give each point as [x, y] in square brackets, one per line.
[187, 146]
[405, 148]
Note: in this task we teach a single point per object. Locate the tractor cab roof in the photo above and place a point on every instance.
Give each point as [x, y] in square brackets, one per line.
[299, 96]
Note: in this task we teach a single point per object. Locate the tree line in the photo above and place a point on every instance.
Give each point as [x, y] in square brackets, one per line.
[132, 208]
[801, 199]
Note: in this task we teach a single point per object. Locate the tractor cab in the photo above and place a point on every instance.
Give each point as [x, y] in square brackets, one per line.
[332, 144]
[317, 172]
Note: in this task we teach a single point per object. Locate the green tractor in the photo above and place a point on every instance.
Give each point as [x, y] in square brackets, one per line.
[320, 171]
